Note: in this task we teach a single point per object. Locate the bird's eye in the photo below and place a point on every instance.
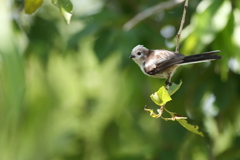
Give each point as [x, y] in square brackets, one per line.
[139, 53]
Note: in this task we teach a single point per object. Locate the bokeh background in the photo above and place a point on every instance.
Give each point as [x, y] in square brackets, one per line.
[70, 92]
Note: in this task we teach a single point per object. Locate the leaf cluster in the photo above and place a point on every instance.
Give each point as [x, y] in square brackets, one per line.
[161, 97]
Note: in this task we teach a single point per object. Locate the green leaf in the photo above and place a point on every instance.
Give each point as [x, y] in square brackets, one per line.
[174, 87]
[65, 7]
[190, 127]
[102, 50]
[185, 124]
[32, 5]
[161, 96]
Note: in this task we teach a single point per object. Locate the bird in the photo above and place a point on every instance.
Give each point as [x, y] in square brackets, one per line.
[161, 63]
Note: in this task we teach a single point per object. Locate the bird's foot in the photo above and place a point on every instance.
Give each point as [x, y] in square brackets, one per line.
[168, 83]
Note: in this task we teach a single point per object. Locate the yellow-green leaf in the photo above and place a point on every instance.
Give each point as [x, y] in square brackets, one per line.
[161, 96]
[174, 87]
[32, 5]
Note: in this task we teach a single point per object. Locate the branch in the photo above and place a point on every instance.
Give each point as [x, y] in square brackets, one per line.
[181, 26]
[150, 11]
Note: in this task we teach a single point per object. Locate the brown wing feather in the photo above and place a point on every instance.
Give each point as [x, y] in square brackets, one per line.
[159, 55]
[161, 66]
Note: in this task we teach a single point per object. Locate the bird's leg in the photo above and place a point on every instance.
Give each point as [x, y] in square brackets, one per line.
[168, 81]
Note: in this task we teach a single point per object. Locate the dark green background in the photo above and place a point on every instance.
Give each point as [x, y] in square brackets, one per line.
[70, 92]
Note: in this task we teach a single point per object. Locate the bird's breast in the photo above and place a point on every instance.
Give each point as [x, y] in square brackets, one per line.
[158, 75]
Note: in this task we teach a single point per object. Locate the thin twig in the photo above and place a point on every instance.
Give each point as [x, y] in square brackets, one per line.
[181, 26]
[150, 11]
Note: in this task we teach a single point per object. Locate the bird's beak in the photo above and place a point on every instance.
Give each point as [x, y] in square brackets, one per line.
[131, 56]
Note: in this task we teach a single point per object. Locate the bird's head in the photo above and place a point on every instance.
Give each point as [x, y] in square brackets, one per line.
[139, 54]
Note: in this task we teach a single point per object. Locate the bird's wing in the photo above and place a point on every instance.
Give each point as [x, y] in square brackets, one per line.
[163, 60]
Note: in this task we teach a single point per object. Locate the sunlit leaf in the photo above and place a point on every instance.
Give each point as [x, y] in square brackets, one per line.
[174, 87]
[65, 7]
[32, 5]
[161, 96]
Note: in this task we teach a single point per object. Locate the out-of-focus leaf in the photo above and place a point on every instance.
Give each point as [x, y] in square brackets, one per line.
[45, 33]
[104, 44]
[161, 96]
[211, 17]
[55, 2]
[238, 4]
[185, 124]
[174, 87]
[88, 30]
[65, 7]
[125, 42]
[229, 49]
[32, 5]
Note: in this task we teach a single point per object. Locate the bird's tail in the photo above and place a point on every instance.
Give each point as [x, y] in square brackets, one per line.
[202, 57]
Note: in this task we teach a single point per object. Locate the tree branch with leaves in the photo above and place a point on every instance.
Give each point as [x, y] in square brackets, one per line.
[163, 95]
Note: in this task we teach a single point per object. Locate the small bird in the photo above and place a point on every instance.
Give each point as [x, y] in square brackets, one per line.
[161, 63]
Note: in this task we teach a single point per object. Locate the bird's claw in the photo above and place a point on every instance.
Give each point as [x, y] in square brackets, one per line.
[168, 83]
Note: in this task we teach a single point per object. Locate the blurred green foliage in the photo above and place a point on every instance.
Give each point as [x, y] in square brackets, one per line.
[70, 92]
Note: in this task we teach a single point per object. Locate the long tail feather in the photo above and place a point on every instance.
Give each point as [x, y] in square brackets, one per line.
[202, 57]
